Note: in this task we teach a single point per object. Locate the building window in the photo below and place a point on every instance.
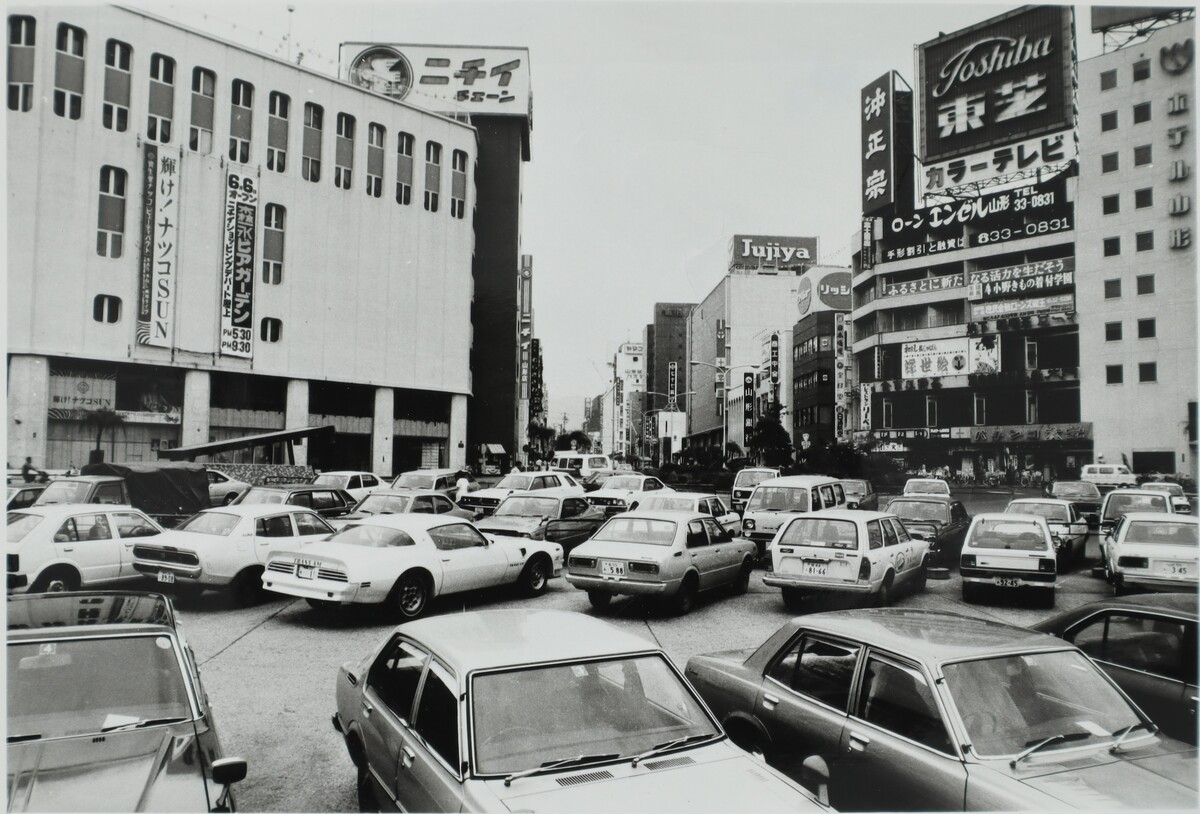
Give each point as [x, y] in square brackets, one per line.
[1112, 332]
[404, 168]
[270, 329]
[204, 91]
[1143, 198]
[1108, 121]
[433, 175]
[110, 227]
[1148, 371]
[1031, 407]
[106, 308]
[887, 413]
[1145, 241]
[280, 106]
[376, 137]
[1031, 354]
[1114, 374]
[117, 80]
[1112, 246]
[1147, 329]
[458, 186]
[1142, 155]
[343, 156]
[21, 36]
[162, 99]
[931, 411]
[1108, 79]
[241, 108]
[1111, 204]
[1141, 113]
[310, 156]
[980, 410]
[274, 226]
[1110, 162]
[1145, 284]
[68, 77]
[1112, 289]
[1141, 70]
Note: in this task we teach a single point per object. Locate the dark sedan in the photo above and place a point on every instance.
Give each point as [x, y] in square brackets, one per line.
[1084, 496]
[1147, 644]
[549, 514]
[924, 710]
[326, 501]
[860, 494]
[942, 521]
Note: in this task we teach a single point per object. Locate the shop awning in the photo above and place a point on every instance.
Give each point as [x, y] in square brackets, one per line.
[494, 449]
[245, 442]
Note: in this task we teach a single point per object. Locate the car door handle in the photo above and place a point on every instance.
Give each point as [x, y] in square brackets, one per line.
[445, 559]
[408, 757]
[769, 701]
[367, 708]
[858, 742]
[68, 548]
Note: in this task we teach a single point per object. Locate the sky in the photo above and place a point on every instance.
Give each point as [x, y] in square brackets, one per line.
[660, 129]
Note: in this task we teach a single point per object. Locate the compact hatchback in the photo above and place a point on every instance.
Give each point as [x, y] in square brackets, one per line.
[1123, 501]
[1009, 551]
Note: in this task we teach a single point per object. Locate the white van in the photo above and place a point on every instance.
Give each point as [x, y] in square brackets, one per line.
[580, 464]
[773, 502]
[1109, 476]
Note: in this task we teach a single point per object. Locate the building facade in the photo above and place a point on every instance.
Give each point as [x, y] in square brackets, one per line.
[666, 370]
[213, 242]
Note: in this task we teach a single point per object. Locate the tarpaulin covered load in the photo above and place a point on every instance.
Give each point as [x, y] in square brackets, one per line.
[160, 488]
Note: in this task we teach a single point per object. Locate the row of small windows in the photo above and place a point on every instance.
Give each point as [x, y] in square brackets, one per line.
[1145, 285]
[1143, 155]
[1141, 72]
[1146, 329]
[1142, 199]
[1144, 242]
[1147, 372]
[107, 308]
[68, 103]
[1141, 114]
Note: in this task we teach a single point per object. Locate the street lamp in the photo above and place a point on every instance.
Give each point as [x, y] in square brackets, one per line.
[725, 371]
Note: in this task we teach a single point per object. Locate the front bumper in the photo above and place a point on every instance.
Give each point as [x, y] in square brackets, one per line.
[777, 580]
[625, 585]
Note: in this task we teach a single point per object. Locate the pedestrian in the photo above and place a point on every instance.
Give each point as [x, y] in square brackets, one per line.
[27, 470]
[71, 470]
[516, 467]
[462, 485]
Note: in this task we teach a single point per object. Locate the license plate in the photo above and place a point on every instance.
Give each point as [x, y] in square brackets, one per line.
[1007, 582]
[1175, 569]
[166, 576]
[615, 569]
[304, 571]
[815, 569]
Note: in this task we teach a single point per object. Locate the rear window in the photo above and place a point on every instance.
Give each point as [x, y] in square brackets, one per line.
[337, 481]
[926, 488]
[669, 504]
[217, 523]
[637, 530]
[597, 463]
[778, 499]
[1008, 535]
[412, 480]
[1126, 504]
[1050, 511]
[255, 495]
[1184, 534]
[65, 491]
[372, 537]
[20, 524]
[821, 533]
[1084, 489]
[920, 510]
[1169, 488]
[745, 478]
[854, 488]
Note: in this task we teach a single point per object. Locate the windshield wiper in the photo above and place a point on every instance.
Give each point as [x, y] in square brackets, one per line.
[144, 723]
[1035, 746]
[663, 747]
[1124, 732]
[551, 765]
[19, 738]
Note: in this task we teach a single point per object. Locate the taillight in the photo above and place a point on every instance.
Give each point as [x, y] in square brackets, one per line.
[14, 563]
[864, 569]
[644, 567]
[968, 561]
[787, 550]
[582, 562]
[747, 525]
[1130, 562]
[1046, 566]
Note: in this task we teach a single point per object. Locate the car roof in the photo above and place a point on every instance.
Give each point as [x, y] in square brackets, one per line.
[1162, 517]
[558, 492]
[407, 522]
[1180, 604]
[1056, 501]
[925, 496]
[1138, 491]
[673, 515]
[925, 480]
[430, 472]
[845, 514]
[52, 511]
[1009, 517]
[31, 614]
[346, 472]
[501, 638]
[255, 509]
[677, 495]
[758, 469]
[797, 480]
[404, 491]
[88, 478]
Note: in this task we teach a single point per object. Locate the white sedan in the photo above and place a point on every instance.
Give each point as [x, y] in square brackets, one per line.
[1067, 528]
[358, 484]
[1154, 551]
[698, 502]
[404, 560]
[624, 493]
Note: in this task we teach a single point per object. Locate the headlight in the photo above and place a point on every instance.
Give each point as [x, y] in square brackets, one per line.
[747, 525]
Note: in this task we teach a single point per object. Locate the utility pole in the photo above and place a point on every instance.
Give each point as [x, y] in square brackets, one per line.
[564, 424]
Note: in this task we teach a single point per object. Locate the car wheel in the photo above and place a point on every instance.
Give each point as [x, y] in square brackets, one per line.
[56, 581]
[741, 585]
[1048, 598]
[599, 599]
[535, 576]
[922, 577]
[685, 600]
[881, 597]
[970, 593]
[366, 794]
[410, 595]
[793, 599]
[246, 588]
[323, 605]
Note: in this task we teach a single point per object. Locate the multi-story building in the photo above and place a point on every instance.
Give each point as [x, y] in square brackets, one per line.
[622, 421]
[1136, 286]
[214, 242]
[666, 371]
[820, 363]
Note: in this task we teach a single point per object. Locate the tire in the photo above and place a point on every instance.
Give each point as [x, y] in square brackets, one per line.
[410, 595]
[246, 588]
[970, 593]
[922, 577]
[323, 605]
[685, 600]
[1048, 598]
[366, 794]
[747, 741]
[599, 599]
[793, 599]
[881, 597]
[534, 577]
[741, 585]
[56, 581]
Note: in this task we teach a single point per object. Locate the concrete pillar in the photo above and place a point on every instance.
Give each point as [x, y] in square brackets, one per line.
[457, 442]
[197, 399]
[297, 416]
[28, 402]
[382, 429]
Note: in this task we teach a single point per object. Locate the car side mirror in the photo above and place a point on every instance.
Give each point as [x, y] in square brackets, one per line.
[228, 770]
[814, 775]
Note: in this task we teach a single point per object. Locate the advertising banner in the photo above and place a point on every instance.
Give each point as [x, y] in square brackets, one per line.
[73, 390]
[864, 406]
[1029, 306]
[878, 153]
[823, 290]
[1025, 157]
[1037, 278]
[1004, 80]
[748, 401]
[159, 239]
[237, 268]
[867, 256]
[950, 357]
[923, 286]
[525, 298]
[841, 364]
[672, 385]
[775, 359]
[766, 251]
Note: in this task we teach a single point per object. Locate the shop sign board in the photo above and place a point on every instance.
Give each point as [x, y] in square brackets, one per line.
[159, 242]
[981, 210]
[880, 129]
[950, 357]
[1033, 278]
[70, 390]
[924, 285]
[758, 251]
[1023, 158]
[864, 406]
[237, 266]
[823, 290]
[1012, 433]
[1029, 306]
[748, 400]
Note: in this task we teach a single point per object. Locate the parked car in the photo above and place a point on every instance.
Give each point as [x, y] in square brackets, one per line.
[624, 492]
[442, 481]
[745, 481]
[1068, 530]
[773, 502]
[357, 484]
[933, 711]
[401, 501]
[860, 494]
[1147, 645]
[1154, 551]
[672, 556]
[485, 501]
[941, 520]
[538, 710]
[403, 561]
[580, 464]
[21, 496]
[65, 547]
[926, 486]
[168, 492]
[226, 548]
[1084, 496]
[1008, 551]
[1108, 476]
[699, 502]
[850, 551]
[222, 488]
[326, 501]
[1123, 501]
[1179, 502]
[559, 515]
[595, 480]
[106, 709]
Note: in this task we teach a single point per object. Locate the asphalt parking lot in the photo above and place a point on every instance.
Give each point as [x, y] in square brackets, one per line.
[270, 669]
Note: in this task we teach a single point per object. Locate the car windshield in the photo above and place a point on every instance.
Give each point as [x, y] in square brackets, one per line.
[64, 491]
[528, 507]
[920, 510]
[1011, 703]
[618, 706]
[20, 524]
[623, 482]
[217, 523]
[926, 487]
[1170, 488]
[669, 504]
[413, 480]
[820, 532]
[1053, 512]
[365, 534]
[518, 482]
[637, 530]
[1081, 489]
[258, 495]
[1013, 535]
[336, 481]
[67, 687]
[1149, 531]
[1119, 504]
[778, 499]
[746, 478]
[384, 504]
[854, 488]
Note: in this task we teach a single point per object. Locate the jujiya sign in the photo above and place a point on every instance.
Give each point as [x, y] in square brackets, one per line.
[160, 233]
[237, 270]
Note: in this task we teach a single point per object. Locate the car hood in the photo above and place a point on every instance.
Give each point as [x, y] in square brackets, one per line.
[623, 551]
[155, 769]
[619, 493]
[497, 494]
[518, 524]
[733, 782]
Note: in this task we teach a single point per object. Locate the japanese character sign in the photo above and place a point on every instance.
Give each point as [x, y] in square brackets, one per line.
[237, 268]
[159, 239]
[883, 106]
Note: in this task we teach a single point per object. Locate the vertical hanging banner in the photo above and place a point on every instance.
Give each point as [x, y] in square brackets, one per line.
[237, 271]
[748, 401]
[672, 386]
[159, 239]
